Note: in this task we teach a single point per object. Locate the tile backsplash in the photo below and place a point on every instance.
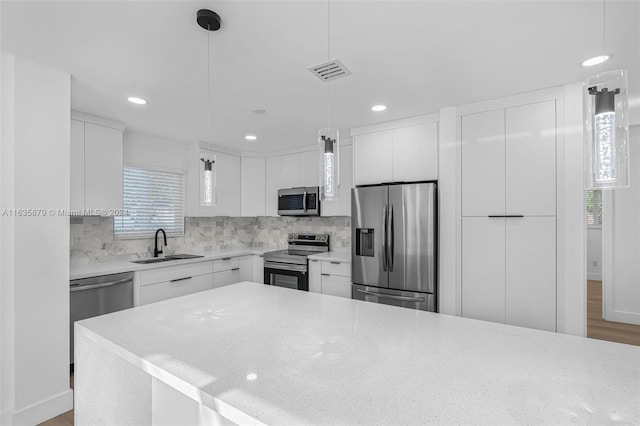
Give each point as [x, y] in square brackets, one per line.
[92, 237]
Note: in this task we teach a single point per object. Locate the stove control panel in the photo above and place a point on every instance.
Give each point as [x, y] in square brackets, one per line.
[309, 239]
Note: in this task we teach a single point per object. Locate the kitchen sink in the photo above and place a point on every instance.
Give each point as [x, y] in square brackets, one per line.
[167, 258]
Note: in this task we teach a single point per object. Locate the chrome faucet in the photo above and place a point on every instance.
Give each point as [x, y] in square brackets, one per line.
[156, 252]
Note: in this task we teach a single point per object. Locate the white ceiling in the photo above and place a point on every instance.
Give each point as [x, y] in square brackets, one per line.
[413, 56]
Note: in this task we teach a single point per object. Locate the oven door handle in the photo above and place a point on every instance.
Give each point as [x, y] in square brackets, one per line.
[285, 267]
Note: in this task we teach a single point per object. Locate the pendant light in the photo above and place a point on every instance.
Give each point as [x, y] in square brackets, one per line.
[606, 126]
[328, 140]
[210, 21]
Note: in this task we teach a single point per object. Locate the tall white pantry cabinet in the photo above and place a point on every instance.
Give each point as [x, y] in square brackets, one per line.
[508, 186]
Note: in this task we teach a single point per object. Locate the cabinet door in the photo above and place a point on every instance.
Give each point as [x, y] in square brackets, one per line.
[309, 168]
[258, 269]
[531, 272]
[335, 285]
[245, 263]
[272, 184]
[373, 153]
[483, 268]
[103, 167]
[415, 153]
[229, 190]
[253, 186]
[315, 283]
[77, 165]
[531, 159]
[483, 157]
[222, 278]
[342, 206]
[179, 287]
[290, 171]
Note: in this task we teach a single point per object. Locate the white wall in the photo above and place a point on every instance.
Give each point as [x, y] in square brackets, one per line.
[35, 250]
[621, 234]
[145, 150]
[594, 253]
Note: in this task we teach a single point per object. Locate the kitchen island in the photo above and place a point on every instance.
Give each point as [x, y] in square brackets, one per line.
[255, 354]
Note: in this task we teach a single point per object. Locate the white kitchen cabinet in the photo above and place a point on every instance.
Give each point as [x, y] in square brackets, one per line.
[245, 263]
[272, 184]
[483, 268]
[177, 287]
[309, 169]
[531, 272]
[252, 188]
[223, 278]
[258, 268]
[415, 153]
[483, 164]
[96, 166]
[335, 285]
[227, 177]
[77, 165]
[342, 206]
[315, 277]
[373, 153]
[290, 171]
[530, 161]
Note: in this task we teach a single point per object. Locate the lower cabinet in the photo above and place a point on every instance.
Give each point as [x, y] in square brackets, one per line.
[258, 268]
[222, 278]
[174, 288]
[509, 270]
[330, 277]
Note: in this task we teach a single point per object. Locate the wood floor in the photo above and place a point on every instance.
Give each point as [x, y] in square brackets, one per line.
[598, 328]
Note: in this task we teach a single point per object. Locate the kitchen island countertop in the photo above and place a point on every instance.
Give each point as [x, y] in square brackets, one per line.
[256, 354]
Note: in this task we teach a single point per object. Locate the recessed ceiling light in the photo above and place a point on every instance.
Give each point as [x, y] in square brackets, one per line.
[596, 60]
[259, 111]
[251, 137]
[378, 108]
[137, 101]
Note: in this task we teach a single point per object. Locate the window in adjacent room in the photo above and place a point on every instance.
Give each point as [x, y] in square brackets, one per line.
[153, 199]
[594, 207]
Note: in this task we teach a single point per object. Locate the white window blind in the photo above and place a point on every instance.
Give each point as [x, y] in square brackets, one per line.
[152, 199]
[594, 206]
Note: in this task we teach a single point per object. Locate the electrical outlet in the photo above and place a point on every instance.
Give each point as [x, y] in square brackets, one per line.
[594, 263]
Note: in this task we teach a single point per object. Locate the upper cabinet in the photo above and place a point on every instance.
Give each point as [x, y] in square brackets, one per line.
[96, 163]
[252, 189]
[227, 184]
[401, 154]
[509, 161]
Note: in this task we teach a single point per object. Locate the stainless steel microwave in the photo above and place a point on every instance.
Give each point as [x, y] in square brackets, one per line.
[299, 201]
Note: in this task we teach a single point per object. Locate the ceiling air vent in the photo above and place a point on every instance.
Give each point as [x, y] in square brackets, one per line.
[331, 70]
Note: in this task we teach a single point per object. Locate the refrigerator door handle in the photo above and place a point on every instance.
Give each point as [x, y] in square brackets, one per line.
[384, 238]
[390, 241]
[391, 296]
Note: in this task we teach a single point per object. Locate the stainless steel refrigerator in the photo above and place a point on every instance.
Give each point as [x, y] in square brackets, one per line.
[394, 245]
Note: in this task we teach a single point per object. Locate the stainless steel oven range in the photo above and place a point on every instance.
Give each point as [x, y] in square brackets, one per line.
[288, 268]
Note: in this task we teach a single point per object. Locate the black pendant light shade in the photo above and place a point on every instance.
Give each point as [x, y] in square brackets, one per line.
[208, 19]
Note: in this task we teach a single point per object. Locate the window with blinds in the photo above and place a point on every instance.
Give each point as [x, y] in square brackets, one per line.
[594, 206]
[152, 199]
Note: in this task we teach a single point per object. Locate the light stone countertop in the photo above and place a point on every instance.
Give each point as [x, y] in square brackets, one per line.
[342, 256]
[105, 268]
[275, 356]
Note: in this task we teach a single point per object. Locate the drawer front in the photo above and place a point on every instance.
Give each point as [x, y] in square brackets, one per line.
[334, 285]
[225, 264]
[222, 278]
[170, 289]
[342, 269]
[162, 274]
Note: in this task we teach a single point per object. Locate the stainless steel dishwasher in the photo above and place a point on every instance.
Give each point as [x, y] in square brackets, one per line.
[90, 297]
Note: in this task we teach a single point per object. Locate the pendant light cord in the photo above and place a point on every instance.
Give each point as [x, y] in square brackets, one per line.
[328, 59]
[604, 32]
[209, 85]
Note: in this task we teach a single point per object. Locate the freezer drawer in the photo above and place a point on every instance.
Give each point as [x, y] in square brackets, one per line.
[403, 299]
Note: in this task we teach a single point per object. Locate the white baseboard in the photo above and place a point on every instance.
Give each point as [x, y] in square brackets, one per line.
[594, 277]
[44, 410]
